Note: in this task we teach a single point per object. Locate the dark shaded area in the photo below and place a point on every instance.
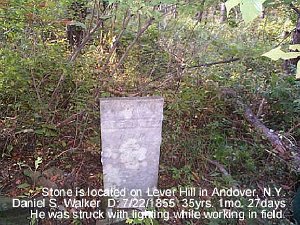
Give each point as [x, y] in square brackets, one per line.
[75, 31]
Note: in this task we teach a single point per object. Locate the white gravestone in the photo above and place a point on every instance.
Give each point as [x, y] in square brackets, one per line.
[131, 137]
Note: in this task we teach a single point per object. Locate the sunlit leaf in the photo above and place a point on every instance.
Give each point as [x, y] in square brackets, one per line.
[274, 54]
[129, 221]
[230, 4]
[295, 47]
[250, 8]
[298, 70]
[37, 162]
[277, 53]
[290, 55]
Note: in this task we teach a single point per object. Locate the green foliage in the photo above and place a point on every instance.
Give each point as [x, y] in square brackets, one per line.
[250, 8]
[47, 131]
[13, 82]
[49, 106]
[37, 163]
[145, 221]
[283, 96]
[184, 173]
[277, 53]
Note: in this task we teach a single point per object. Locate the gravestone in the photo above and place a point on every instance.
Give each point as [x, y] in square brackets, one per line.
[131, 137]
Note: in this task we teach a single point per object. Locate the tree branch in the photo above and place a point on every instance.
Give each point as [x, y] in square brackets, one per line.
[295, 8]
[139, 34]
[223, 170]
[73, 56]
[75, 53]
[284, 151]
[115, 44]
[271, 136]
[259, 126]
[213, 63]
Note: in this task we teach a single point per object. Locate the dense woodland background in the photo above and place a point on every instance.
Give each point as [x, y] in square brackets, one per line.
[231, 116]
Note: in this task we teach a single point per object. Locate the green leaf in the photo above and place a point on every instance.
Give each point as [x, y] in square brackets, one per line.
[277, 53]
[129, 221]
[9, 149]
[230, 4]
[78, 24]
[22, 186]
[274, 54]
[47, 130]
[105, 17]
[291, 55]
[27, 172]
[50, 133]
[295, 47]
[298, 71]
[251, 9]
[37, 162]
[40, 131]
[33, 175]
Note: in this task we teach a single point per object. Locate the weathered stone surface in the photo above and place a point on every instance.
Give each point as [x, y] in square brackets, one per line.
[131, 138]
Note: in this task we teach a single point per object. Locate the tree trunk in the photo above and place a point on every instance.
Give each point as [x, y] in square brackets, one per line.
[263, 13]
[296, 39]
[289, 65]
[223, 12]
[199, 14]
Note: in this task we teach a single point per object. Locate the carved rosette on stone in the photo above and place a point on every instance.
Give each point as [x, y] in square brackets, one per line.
[131, 137]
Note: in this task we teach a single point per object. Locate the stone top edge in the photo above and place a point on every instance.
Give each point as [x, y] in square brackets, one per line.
[131, 98]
